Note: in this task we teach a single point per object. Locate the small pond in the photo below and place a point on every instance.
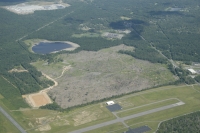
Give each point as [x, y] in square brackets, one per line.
[49, 47]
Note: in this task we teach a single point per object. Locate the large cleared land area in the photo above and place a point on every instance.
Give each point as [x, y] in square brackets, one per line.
[31, 7]
[97, 75]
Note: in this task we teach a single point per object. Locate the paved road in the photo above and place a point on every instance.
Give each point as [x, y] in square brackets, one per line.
[126, 118]
[12, 120]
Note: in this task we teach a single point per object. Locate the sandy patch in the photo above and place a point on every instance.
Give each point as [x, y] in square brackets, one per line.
[30, 125]
[38, 99]
[41, 98]
[16, 70]
[45, 128]
[51, 87]
[125, 18]
[74, 46]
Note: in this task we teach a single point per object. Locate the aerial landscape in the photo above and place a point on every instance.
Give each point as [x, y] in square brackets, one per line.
[99, 66]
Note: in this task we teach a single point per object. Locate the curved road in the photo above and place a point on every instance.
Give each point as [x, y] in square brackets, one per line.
[126, 118]
[12, 120]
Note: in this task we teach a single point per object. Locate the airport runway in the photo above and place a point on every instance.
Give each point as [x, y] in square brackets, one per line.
[126, 118]
[12, 120]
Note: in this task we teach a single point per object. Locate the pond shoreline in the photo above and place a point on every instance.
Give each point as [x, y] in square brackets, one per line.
[34, 42]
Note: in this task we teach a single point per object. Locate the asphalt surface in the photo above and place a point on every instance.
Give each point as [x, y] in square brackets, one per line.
[12, 120]
[126, 118]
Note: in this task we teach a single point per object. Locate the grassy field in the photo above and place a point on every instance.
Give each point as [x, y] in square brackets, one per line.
[187, 94]
[147, 107]
[54, 70]
[113, 127]
[10, 96]
[6, 126]
[37, 120]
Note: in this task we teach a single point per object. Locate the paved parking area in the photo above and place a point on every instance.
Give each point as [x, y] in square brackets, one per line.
[114, 107]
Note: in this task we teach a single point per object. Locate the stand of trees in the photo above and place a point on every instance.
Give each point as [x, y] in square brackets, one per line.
[197, 78]
[184, 124]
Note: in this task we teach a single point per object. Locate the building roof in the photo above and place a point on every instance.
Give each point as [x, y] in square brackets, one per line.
[110, 103]
[192, 71]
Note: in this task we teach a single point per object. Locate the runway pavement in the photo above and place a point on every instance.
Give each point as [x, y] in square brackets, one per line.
[12, 120]
[126, 118]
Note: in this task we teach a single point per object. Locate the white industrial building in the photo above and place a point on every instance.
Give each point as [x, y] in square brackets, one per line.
[110, 103]
[192, 71]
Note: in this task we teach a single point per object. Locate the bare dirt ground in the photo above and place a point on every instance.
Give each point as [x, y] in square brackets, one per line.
[101, 74]
[41, 98]
[46, 127]
[16, 70]
[37, 99]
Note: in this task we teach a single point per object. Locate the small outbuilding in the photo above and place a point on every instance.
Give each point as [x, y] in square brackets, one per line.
[110, 103]
[192, 71]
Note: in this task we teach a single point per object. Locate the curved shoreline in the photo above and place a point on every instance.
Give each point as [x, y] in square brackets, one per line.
[35, 42]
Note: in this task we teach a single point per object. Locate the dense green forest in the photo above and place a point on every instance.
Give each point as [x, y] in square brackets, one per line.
[185, 124]
[197, 78]
[169, 31]
[169, 26]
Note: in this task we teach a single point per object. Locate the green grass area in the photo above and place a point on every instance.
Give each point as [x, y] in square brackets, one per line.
[196, 87]
[138, 99]
[1, 97]
[54, 70]
[186, 93]
[11, 95]
[17, 115]
[62, 122]
[113, 127]
[80, 118]
[6, 126]
[147, 107]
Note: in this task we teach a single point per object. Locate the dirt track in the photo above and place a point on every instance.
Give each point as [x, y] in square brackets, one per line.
[41, 98]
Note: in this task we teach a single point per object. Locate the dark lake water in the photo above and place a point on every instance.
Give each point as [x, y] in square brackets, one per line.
[48, 47]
